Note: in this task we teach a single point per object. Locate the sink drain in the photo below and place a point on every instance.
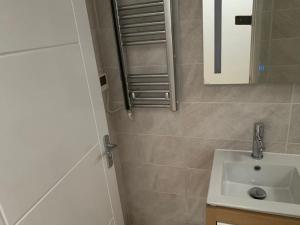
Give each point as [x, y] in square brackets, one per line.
[257, 193]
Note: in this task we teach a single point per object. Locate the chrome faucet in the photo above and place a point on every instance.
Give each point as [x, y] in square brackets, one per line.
[258, 141]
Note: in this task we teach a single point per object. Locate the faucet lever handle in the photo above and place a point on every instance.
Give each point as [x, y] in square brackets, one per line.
[258, 141]
[259, 130]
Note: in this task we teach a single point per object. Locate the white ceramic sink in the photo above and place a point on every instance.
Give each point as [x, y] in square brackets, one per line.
[234, 173]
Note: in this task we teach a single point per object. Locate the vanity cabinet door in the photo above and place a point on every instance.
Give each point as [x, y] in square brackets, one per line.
[215, 214]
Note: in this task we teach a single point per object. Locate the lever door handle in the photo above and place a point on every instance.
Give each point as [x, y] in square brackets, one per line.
[109, 147]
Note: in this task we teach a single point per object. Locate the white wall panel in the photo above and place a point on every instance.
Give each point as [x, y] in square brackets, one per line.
[29, 24]
[46, 120]
[1, 221]
[78, 199]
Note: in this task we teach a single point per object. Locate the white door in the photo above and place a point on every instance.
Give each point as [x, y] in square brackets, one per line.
[52, 119]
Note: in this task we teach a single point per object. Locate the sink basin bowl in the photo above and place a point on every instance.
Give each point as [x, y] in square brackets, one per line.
[281, 183]
[234, 173]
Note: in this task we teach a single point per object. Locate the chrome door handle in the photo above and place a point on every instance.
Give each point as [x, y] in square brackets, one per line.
[109, 147]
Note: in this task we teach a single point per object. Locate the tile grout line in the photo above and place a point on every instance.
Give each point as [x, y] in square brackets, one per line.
[176, 194]
[236, 103]
[143, 164]
[281, 65]
[191, 137]
[285, 38]
[216, 102]
[36, 204]
[290, 118]
[269, 51]
[280, 10]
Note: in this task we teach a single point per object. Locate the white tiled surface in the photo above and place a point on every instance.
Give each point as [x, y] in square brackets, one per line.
[49, 23]
[77, 199]
[33, 84]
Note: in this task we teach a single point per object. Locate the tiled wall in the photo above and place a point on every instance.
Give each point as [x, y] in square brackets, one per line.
[281, 40]
[166, 156]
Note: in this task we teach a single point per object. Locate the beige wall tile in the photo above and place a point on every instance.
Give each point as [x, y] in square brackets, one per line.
[286, 73]
[162, 150]
[296, 94]
[108, 48]
[193, 89]
[275, 147]
[190, 9]
[264, 5]
[156, 208]
[234, 121]
[92, 13]
[293, 149]
[196, 211]
[294, 135]
[114, 83]
[148, 121]
[285, 51]
[154, 178]
[286, 4]
[103, 9]
[286, 23]
[198, 153]
[266, 19]
[197, 182]
[190, 49]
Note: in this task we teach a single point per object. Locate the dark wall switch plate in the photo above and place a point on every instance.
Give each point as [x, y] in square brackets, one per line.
[243, 20]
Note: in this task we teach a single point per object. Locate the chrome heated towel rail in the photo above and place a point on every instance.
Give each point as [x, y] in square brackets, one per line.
[146, 23]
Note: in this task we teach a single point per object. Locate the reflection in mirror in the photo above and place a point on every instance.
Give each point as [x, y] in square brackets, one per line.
[277, 42]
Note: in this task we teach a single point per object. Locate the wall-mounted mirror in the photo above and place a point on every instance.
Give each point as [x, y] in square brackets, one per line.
[277, 41]
[251, 41]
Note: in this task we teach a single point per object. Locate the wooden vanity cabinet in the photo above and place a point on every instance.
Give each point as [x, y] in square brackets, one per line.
[221, 215]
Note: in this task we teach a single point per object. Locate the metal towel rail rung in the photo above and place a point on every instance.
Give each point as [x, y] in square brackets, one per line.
[134, 76]
[148, 83]
[141, 5]
[135, 25]
[152, 105]
[151, 99]
[139, 15]
[130, 43]
[151, 91]
[143, 33]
